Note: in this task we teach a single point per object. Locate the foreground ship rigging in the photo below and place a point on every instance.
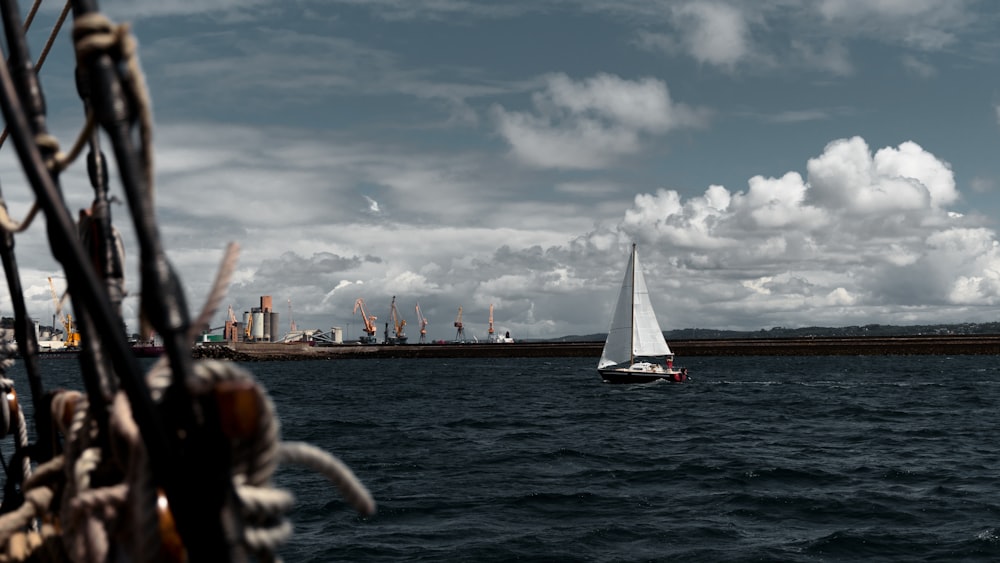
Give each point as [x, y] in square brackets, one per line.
[173, 463]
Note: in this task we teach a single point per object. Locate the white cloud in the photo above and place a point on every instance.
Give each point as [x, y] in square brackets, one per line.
[780, 203]
[894, 179]
[861, 232]
[373, 206]
[840, 297]
[590, 123]
[714, 33]
[924, 24]
[814, 36]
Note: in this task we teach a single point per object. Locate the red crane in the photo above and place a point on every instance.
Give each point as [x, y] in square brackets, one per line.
[369, 320]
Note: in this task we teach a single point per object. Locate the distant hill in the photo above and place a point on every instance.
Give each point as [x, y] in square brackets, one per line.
[873, 330]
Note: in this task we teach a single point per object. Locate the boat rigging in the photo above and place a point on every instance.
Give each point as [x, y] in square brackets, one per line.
[171, 463]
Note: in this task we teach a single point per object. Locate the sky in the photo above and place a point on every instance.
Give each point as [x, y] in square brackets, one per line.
[785, 163]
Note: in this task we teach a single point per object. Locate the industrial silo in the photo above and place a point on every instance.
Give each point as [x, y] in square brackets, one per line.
[257, 330]
[275, 326]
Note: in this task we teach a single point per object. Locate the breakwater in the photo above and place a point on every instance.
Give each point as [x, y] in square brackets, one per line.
[862, 346]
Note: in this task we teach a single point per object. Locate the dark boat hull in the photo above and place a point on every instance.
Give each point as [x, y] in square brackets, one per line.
[625, 376]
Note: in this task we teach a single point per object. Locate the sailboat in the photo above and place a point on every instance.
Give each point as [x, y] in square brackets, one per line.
[635, 341]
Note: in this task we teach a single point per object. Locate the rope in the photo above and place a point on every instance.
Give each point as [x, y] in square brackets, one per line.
[99, 491]
[52, 36]
[8, 399]
[60, 162]
[333, 469]
[48, 43]
[31, 15]
[125, 511]
[11, 226]
[95, 34]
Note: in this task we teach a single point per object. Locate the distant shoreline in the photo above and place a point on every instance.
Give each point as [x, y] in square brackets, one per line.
[841, 346]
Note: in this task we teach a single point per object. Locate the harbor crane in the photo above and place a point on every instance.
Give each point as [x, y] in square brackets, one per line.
[397, 323]
[369, 320]
[248, 329]
[460, 333]
[72, 337]
[492, 335]
[423, 325]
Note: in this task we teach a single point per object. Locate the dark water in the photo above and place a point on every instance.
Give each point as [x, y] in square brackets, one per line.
[758, 459]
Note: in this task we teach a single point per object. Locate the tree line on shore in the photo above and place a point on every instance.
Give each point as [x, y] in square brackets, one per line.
[870, 330]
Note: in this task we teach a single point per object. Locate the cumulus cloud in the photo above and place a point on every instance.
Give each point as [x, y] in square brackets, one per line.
[863, 232]
[588, 124]
[848, 176]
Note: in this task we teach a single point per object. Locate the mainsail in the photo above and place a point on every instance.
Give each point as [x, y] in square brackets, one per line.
[634, 330]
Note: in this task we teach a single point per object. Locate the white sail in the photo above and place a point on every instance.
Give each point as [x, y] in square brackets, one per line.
[647, 338]
[619, 343]
[634, 330]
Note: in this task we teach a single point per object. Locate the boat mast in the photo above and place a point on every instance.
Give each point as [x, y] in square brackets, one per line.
[631, 332]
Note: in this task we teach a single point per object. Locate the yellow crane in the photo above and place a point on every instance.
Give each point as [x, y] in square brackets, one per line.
[248, 329]
[423, 325]
[71, 335]
[397, 323]
[460, 333]
[369, 321]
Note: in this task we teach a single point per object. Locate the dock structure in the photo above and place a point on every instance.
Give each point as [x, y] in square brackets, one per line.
[862, 346]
